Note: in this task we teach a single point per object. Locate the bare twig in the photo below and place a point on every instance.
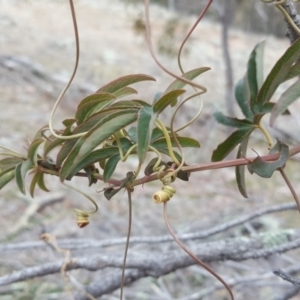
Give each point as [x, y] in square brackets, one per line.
[285, 276]
[235, 282]
[289, 7]
[157, 264]
[35, 205]
[73, 244]
[289, 294]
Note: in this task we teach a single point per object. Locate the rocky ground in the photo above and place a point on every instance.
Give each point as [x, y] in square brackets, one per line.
[36, 59]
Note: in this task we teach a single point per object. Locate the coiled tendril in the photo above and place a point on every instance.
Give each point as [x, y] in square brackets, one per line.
[165, 194]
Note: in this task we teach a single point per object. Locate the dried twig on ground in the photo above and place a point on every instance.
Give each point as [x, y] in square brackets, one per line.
[143, 264]
[76, 244]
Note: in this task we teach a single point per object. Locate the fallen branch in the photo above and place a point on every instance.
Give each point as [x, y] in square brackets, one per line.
[285, 276]
[35, 205]
[76, 244]
[156, 264]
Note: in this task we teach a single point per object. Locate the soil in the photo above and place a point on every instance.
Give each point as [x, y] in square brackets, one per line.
[36, 59]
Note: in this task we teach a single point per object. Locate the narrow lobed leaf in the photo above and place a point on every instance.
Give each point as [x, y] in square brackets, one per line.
[229, 144]
[287, 98]
[33, 148]
[183, 141]
[125, 91]
[178, 84]
[20, 173]
[124, 81]
[97, 135]
[9, 163]
[110, 167]
[41, 183]
[34, 183]
[233, 122]
[240, 170]
[242, 95]
[278, 73]
[6, 177]
[167, 99]
[101, 96]
[145, 125]
[94, 157]
[293, 72]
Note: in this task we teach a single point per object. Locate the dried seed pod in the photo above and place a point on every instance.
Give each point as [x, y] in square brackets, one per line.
[82, 218]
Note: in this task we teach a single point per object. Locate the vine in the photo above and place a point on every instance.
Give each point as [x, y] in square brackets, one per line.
[98, 137]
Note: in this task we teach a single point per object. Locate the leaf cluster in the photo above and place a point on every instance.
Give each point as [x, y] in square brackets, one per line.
[253, 95]
[93, 142]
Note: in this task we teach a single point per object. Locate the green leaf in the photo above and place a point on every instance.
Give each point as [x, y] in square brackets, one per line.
[293, 72]
[278, 73]
[184, 176]
[128, 104]
[287, 98]
[132, 134]
[157, 96]
[6, 177]
[101, 96]
[9, 163]
[41, 183]
[90, 171]
[183, 141]
[240, 170]
[20, 173]
[234, 122]
[64, 151]
[97, 117]
[97, 135]
[110, 192]
[242, 95]
[145, 125]
[57, 141]
[85, 127]
[141, 102]
[33, 183]
[93, 157]
[156, 134]
[121, 82]
[38, 179]
[125, 144]
[229, 144]
[178, 84]
[252, 76]
[169, 98]
[125, 91]
[266, 169]
[165, 151]
[40, 132]
[110, 167]
[68, 122]
[32, 151]
[264, 109]
[89, 108]
[259, 62]
[149, 168]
